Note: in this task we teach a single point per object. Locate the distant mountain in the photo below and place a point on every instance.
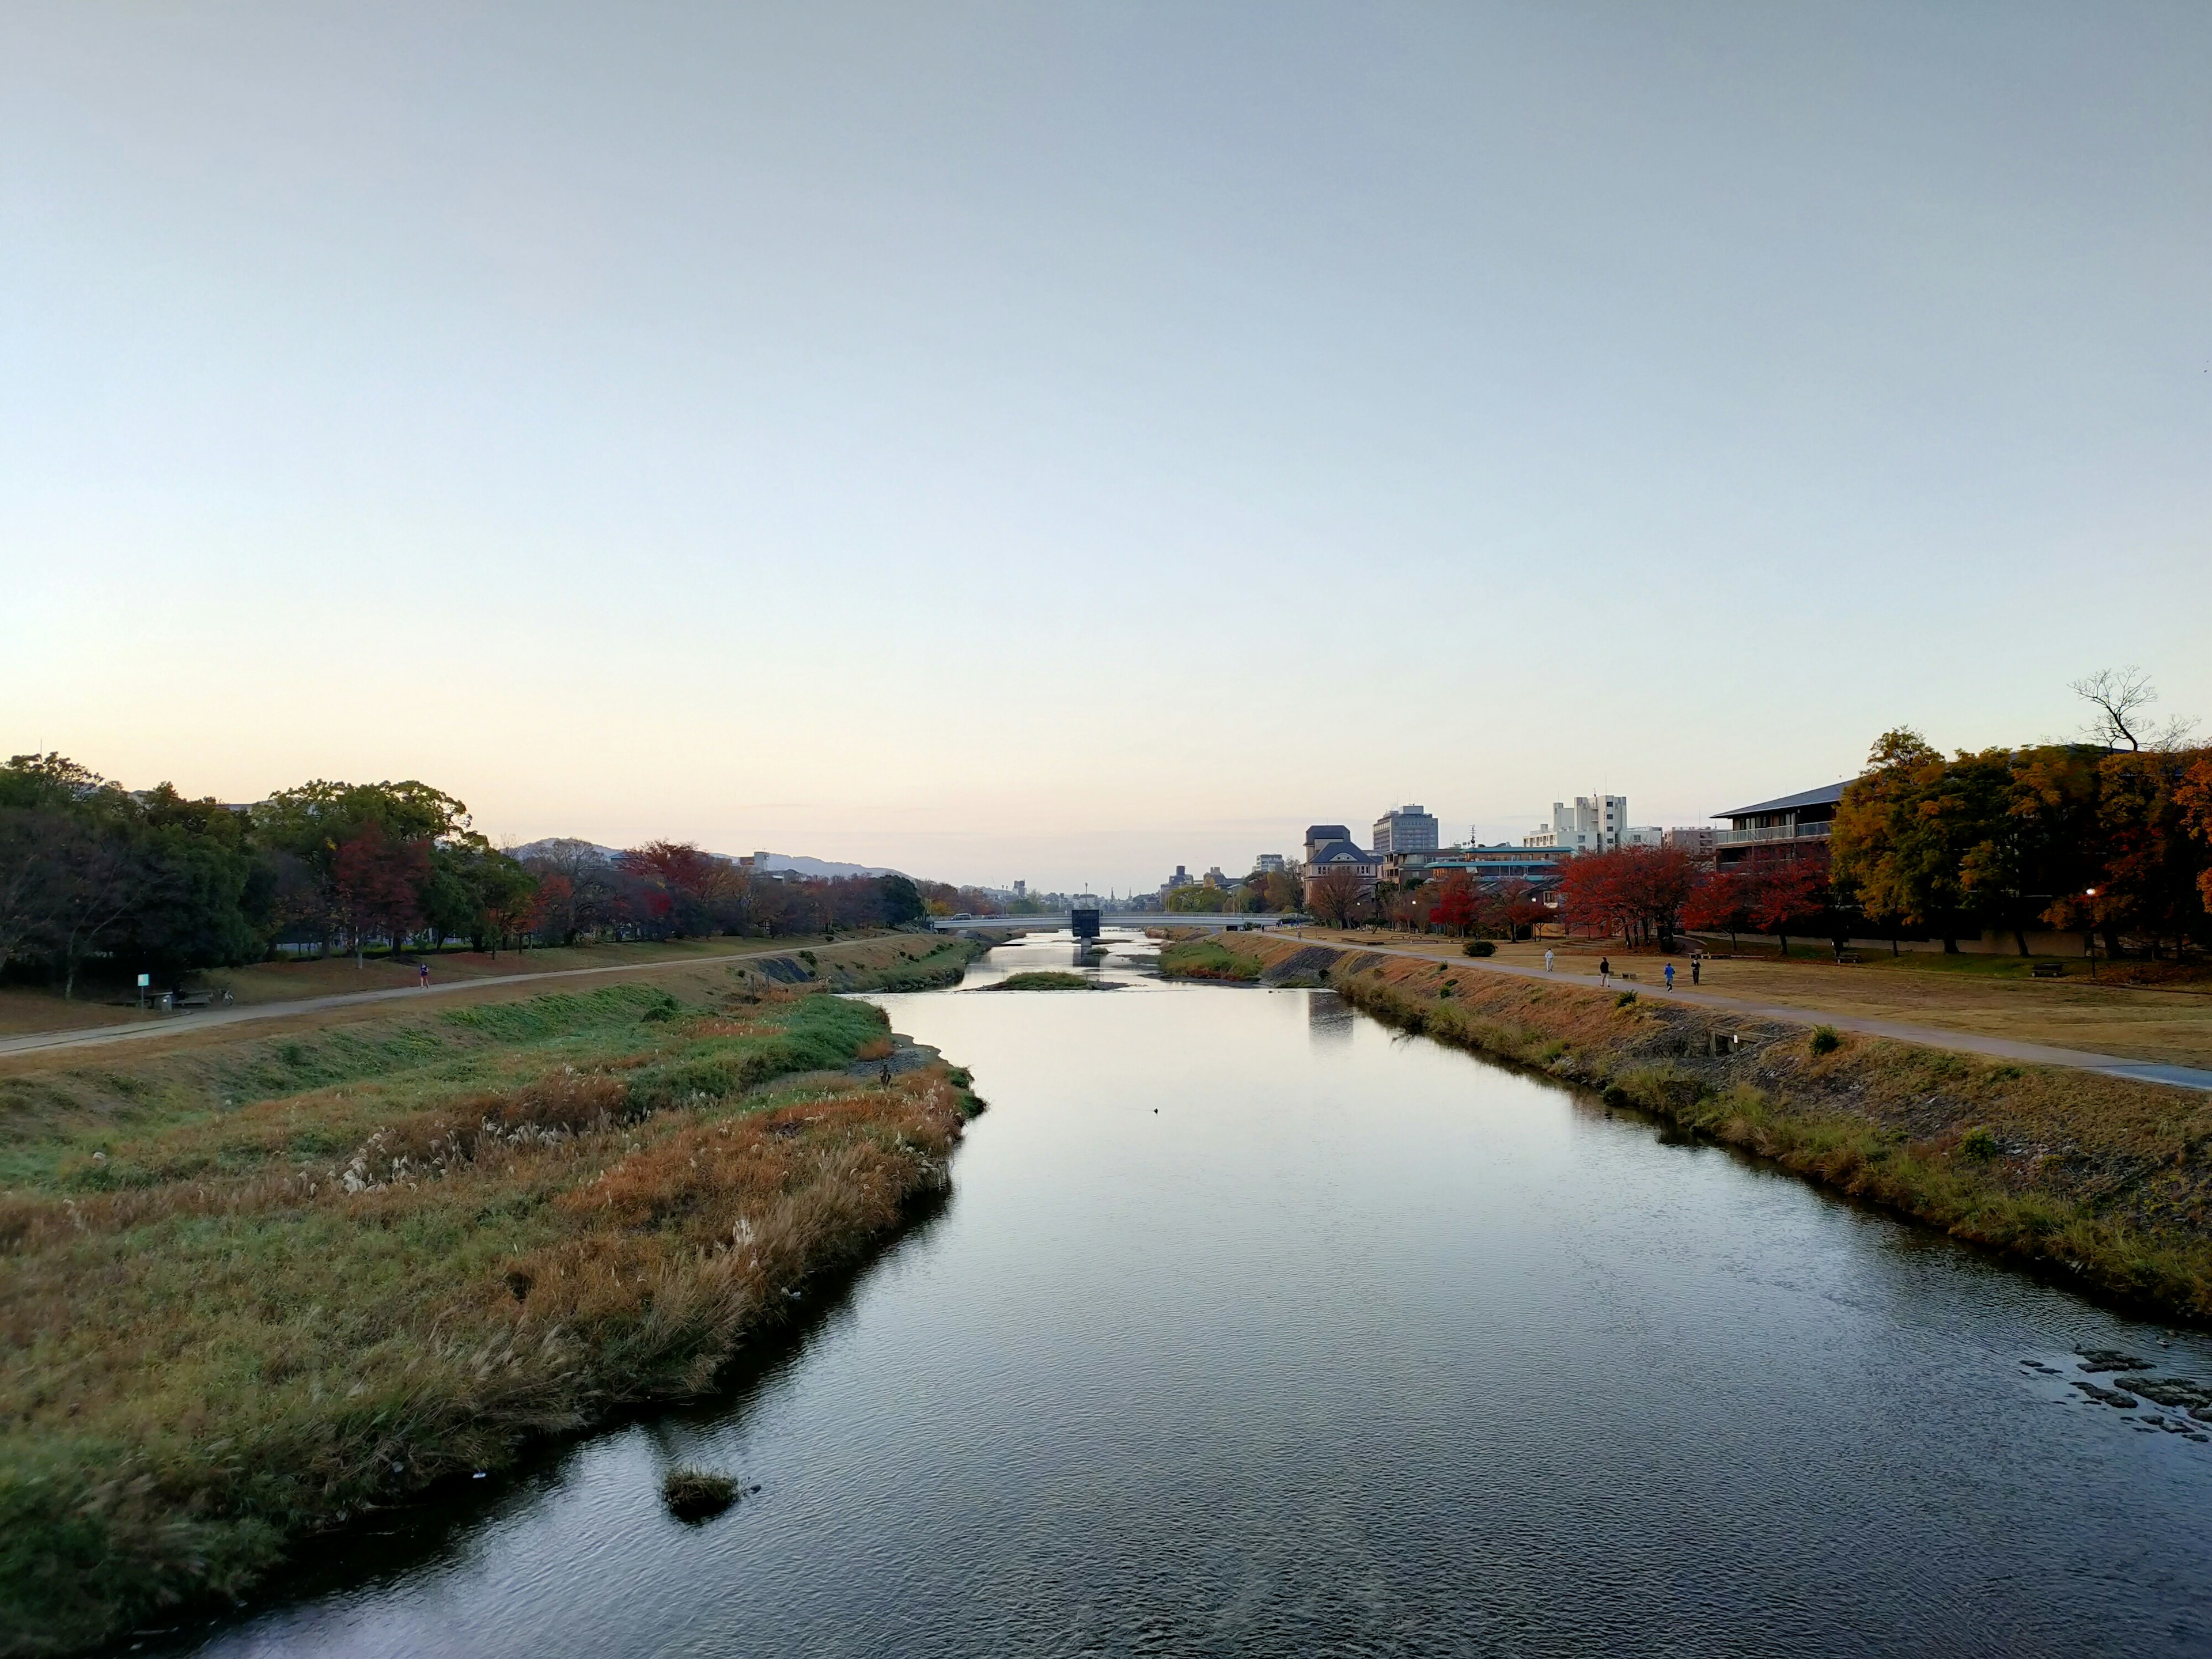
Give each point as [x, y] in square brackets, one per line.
[567, 847]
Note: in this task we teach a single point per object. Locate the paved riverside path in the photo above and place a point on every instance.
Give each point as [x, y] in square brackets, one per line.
[2038, 1054]
[93, 1035]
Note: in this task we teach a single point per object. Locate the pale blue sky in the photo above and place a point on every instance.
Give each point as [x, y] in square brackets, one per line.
[652, 420]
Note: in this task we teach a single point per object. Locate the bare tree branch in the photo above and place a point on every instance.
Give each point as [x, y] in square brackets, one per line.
[2119, 697]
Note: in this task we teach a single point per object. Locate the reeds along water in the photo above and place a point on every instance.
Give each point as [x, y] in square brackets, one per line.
[230, 1328]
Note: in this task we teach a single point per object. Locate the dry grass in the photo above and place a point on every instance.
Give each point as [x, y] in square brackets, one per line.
[225, 1326]
[696, 1495]
[2105, 1178]
[2168, 1020]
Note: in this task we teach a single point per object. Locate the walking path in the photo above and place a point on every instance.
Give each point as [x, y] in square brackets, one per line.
[2038, 1053]
[92, 1036]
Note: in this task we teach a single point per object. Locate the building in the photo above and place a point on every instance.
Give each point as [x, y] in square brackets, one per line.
[1340, 854]
[1181, 878]
[1409, 829]
[1777, 831]
[1692, 839]
[1399, 868]
[1268, 864]
[1319, 836]
[1595, 823]
[1021, 889]
[1535, 865]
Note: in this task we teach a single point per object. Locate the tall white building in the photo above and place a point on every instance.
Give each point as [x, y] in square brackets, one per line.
[1595, 823]
[1408, 828]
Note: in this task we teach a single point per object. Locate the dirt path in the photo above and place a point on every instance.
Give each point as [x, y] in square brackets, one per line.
[1999, 1048]
[182, 1024]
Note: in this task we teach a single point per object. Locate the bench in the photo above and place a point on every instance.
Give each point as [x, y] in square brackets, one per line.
[2047, 970]
[202, 999]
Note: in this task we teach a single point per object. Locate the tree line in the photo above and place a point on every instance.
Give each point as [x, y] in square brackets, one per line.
[2107, 841]
[2110, 836]
[150, 881]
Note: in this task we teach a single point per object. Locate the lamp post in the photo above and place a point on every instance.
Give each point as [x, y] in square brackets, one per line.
[2090, 933]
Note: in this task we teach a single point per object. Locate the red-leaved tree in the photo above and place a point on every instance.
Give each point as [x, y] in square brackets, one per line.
[1785, 892]
[1455, 902]
[378, 883]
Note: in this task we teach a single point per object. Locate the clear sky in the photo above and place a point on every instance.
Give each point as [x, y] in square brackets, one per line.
[1066, 440]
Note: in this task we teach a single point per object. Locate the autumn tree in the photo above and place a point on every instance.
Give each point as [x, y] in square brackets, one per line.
[2194, 796]
[1454, 902]
[377, 882]
[689, 881]
[1339, 896]
[1787, 891]
[1904, 828]
[1720, 901]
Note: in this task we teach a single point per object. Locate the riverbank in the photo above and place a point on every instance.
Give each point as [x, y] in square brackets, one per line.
[256, 1288]
[2104, 1178]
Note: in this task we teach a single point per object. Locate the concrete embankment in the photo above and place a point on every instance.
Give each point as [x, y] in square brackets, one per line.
[2106, 1179]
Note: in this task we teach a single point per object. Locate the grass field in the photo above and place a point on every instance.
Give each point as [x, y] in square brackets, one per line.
[1987, 995]
[2103, 1178]
[255, 1287]
[24, 1008]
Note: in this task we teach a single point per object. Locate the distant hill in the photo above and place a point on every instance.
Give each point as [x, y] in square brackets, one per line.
[567, 847]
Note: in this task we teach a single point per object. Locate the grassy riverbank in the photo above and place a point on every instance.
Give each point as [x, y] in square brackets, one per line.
[252, 1288]
[2108, 1179]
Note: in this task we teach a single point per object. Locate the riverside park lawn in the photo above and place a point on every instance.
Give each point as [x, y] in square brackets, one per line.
[1984, 996]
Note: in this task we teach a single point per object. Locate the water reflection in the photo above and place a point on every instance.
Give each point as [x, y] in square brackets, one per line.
[1329, 1019]
[1233, 1343]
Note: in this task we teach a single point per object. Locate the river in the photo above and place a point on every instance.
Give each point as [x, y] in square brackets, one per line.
[1252, 1327]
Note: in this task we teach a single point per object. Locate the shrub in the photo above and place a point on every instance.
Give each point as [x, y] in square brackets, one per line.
[696, 1495]
[1627, 999]
[1978, 1143]
[1480, 947]
[1826, 1040]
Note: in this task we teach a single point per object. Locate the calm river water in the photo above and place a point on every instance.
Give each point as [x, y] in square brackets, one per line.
[1254, 1328]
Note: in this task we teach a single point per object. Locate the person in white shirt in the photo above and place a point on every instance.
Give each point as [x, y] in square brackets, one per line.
[1548, 959]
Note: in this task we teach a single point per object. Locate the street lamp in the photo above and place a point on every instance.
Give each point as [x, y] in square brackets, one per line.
[2090, 933]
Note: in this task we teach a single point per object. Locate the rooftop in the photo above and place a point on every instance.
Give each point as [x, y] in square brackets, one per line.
[1826, 795]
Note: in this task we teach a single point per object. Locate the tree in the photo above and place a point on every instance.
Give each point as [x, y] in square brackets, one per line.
[2119, 699]
[2150, 882]
[1720, 900]
[28, 842]
[1456, 903]
[901, 900]
[93, 878]
[377, 882]
[1512, 905]
[689, 881]
[1338, 896]
[1198, 899]
[2194, 797]
[1784, 892]
[1637, 891]
[1905, 827]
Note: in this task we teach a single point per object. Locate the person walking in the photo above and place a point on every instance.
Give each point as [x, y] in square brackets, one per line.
[1670, 975]
[423, 973]
[1604, 972]
[1547, 958]
[1696, 962]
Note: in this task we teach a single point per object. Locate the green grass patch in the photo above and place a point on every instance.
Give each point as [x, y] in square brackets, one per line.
[1046, 979]
[1208, 959]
